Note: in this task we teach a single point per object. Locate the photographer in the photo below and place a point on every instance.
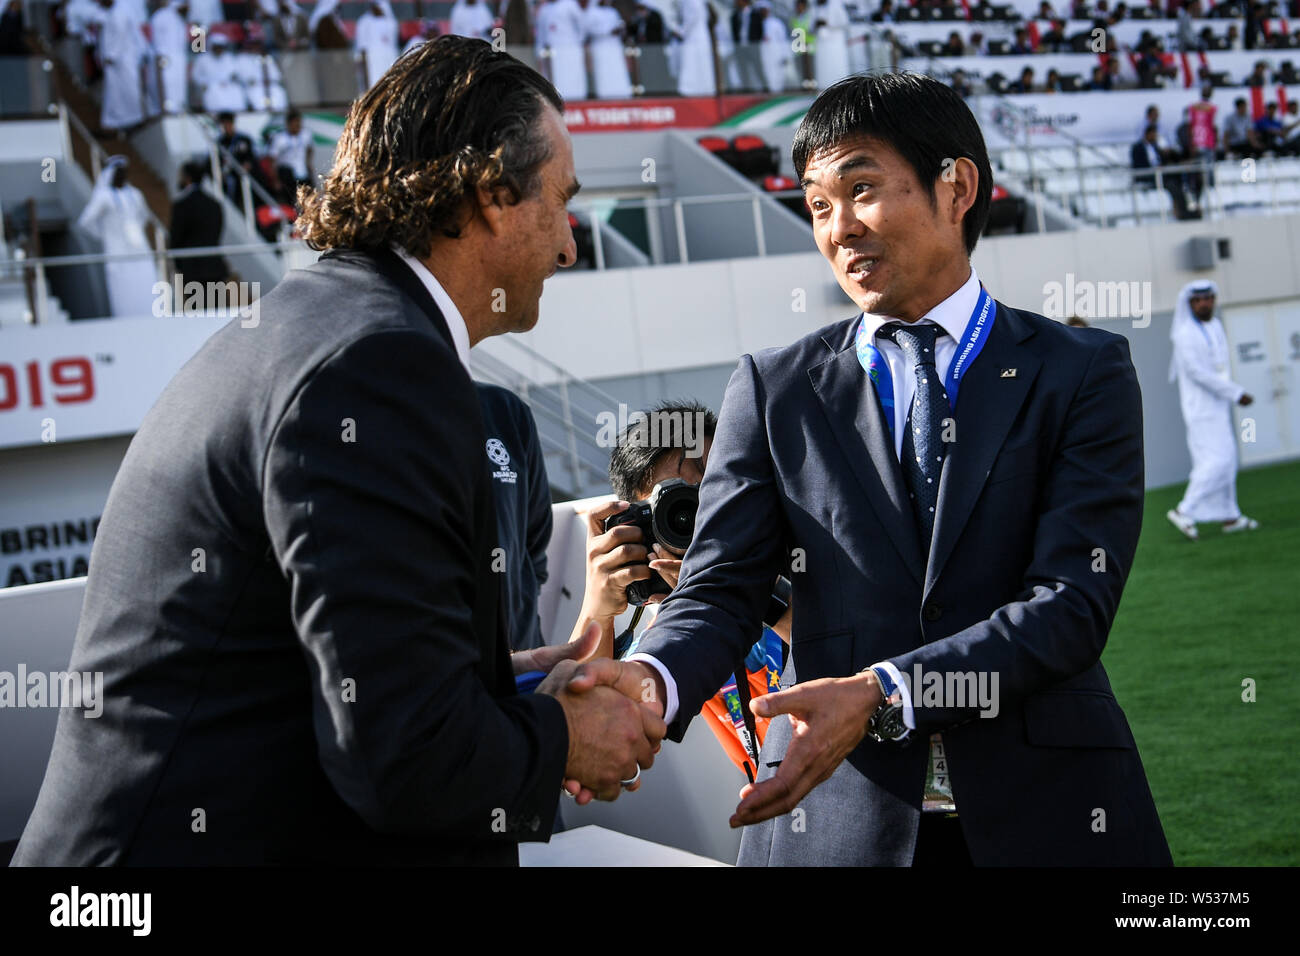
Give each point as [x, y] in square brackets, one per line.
[671, 441]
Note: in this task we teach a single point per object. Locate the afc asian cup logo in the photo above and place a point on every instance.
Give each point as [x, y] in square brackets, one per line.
[497, 452]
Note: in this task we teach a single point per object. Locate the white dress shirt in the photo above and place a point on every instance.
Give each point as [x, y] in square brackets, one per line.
[952, 315]
[455, 322]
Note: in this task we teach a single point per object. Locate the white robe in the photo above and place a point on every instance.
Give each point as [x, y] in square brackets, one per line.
[206, 12]
[775, 52]
[608, 62]
[471, 21]
[121, 50]
[223, 89]
[377, 38]
[564, 33]
[83, 18]
[1207, 394]
[117, 218]
[695, 76]
[831, 59]
[171, 43]
[262, 80]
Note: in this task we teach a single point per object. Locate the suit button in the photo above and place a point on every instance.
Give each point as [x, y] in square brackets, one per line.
[932, 611]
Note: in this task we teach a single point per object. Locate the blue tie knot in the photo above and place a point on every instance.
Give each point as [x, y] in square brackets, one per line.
[916, 340]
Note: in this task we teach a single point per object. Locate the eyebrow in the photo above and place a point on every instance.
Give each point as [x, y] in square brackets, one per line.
[844, 168]
[572, 190]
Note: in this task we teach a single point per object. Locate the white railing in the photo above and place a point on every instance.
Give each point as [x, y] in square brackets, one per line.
[678, 205]
[14, 267]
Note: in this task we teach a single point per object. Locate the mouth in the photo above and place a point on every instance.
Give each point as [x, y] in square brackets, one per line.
[860, 268]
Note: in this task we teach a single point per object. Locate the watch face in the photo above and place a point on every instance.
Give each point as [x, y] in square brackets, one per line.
[891, 725]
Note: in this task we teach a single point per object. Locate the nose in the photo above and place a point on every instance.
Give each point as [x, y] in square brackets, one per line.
[569, 254]
[845, 224]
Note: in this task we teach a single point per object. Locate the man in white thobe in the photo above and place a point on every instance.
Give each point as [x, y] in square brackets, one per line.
[121, 51]
[377, 38]
[261, 77]
[831, 60]
[604, 27]
[171, 43]
[471, 18]
[695, 73]
[1207, 394]
[217, 71]
[564, 32]
[775, 49]
[116, 215]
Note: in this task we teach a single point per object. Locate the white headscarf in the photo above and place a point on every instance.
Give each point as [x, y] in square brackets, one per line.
[105, 180]
[1183, 317]
[322, 10]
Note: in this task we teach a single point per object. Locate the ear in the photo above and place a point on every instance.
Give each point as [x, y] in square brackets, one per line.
[959, 185]
[494, 206]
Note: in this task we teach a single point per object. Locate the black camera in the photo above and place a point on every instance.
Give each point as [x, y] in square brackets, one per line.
[667, 517]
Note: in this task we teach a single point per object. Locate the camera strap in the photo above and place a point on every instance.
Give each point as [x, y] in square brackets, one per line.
[623, 643]
[751, 731]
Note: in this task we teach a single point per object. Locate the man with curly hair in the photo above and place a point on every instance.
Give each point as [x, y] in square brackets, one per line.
[291, 596]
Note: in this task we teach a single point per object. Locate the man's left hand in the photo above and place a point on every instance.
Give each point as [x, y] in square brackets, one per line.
[830, 718]
[545, 658]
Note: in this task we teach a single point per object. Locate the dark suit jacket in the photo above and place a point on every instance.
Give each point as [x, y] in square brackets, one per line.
[291, 600]
[649, 28]
[196, 222]
[523, 509]
[1139, 158]
[1046, 469]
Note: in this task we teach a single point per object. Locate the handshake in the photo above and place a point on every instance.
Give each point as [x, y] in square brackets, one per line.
[614, 712]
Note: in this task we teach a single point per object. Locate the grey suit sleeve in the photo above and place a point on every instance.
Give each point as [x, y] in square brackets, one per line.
[369, 496]
[1089, 512]
[709, 622]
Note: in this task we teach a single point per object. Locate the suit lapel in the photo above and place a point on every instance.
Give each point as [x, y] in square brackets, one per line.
[987, 404]
[858, 422]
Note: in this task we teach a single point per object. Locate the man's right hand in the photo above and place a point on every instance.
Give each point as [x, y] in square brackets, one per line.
[1245, 399]
[609, 554]
[636, 682]
[610, 736]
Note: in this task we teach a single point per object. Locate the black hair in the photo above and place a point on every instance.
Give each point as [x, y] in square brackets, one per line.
[649, 438]
[925, 121]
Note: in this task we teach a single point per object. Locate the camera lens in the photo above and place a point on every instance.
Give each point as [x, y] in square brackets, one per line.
[682, 520]
[674, 507]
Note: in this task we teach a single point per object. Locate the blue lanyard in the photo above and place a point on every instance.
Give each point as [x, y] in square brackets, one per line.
[972, 342]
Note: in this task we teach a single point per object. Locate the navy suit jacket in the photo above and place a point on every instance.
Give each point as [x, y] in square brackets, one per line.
[1041, 489]
[292, 601]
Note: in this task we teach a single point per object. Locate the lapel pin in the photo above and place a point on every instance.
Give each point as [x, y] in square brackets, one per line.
[1008, 373]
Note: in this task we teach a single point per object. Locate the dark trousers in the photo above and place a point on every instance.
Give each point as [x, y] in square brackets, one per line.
[939, 843]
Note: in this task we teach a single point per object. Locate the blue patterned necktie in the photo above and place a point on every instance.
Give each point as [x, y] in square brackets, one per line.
[924, 450]
[922, 460]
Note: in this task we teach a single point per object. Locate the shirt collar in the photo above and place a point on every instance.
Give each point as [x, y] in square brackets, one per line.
[952, 314]
[455, 321]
